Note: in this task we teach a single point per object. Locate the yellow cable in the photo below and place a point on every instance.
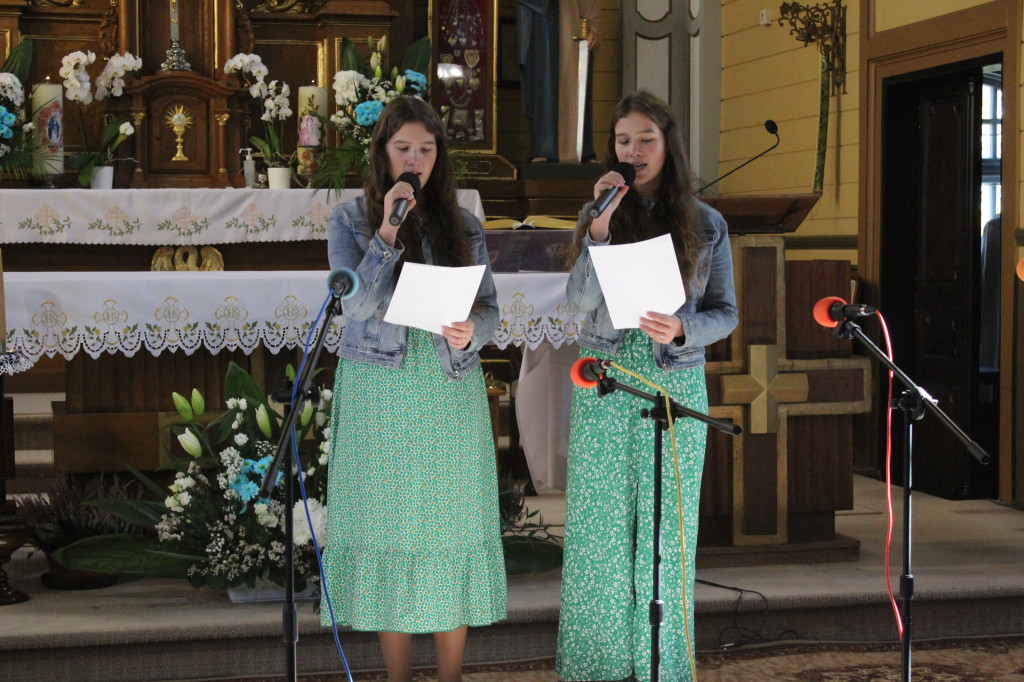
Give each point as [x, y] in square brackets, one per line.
[679, 509]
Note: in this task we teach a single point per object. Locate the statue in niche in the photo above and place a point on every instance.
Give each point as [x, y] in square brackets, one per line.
[549, 31]
[463, 61]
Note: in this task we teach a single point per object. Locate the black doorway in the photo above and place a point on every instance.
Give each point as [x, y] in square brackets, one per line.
[938, 292]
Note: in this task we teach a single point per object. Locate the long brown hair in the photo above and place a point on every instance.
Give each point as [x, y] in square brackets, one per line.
[675, 209]
[437, 199]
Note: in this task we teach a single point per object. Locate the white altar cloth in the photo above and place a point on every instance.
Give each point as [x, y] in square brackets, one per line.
[64, 313]
[174, 216]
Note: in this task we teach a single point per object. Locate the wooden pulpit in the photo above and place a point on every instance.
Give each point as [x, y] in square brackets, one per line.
[771, 494]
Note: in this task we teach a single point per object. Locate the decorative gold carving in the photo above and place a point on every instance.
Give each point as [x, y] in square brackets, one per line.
[301, 6]
[244, 36]
[179, 120]
[108, 31]
[57, 3]
[186, 258]
[222, 119]
[138, 117]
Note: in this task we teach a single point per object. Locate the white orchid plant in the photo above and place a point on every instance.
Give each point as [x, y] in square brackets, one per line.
[210, 525]
[110, 83]
[276, 108]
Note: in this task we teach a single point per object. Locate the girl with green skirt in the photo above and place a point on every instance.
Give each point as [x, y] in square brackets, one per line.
[604, 628]
[412, 504]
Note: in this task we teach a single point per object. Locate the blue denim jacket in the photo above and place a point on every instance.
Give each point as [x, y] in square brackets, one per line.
[353, 243]
[708, 315]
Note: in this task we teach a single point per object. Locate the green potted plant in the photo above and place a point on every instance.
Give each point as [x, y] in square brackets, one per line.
[62, 516]
[527, 542]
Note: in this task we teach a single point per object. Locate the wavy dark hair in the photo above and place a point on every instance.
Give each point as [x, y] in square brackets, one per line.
[437, 199]
[675, 209]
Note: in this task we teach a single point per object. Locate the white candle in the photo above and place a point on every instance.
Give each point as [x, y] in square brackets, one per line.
[47, 102]
[174, 19]
[312, 101]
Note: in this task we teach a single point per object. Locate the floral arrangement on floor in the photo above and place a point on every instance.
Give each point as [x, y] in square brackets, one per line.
[276, 108]
[361, 89]
[21, 151]
[210, 527]
[110, 83]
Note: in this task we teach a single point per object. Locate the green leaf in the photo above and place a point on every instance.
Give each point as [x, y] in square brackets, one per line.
[123, 554]
[263, 147]
[143, 513]
[19, 61]
[417, 57]
[238, 384]
[85, 175]
[146, 480]
[350, 58]
[523, 555]
[111, 133]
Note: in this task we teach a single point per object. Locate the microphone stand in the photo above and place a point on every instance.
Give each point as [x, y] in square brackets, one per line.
[912, 403]
[294, 400]
[722, 177]
[663, 406]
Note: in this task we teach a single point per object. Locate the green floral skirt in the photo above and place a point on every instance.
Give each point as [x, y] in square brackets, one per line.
[413, 539]
[604, 630]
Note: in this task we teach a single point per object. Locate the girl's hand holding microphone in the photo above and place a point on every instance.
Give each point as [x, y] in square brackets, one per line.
[608, 192]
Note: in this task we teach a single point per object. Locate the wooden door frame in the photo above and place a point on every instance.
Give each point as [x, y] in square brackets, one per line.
[976, 32]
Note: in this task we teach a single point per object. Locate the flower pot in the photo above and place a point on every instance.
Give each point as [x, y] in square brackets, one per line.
[102, 177]
[279, 178]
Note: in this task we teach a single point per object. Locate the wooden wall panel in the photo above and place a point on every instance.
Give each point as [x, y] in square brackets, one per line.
[806, 283]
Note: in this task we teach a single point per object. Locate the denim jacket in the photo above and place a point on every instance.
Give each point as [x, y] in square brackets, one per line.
[353, 243]
[708, 315]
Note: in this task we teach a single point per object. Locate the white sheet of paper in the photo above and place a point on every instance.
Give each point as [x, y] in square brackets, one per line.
[429, 296]
[637, 278]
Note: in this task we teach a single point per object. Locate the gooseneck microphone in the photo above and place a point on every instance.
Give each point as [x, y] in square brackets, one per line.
[628, 174]
[342, 282]
[773, 129]
[401, 206]
[831, 310]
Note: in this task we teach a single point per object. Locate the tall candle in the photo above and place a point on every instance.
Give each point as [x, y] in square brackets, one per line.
[312, 101]
[47, 102]
[174, 19]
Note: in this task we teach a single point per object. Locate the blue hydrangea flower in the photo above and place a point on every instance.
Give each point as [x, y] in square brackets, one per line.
[244, 488]
[415, 80]
[9, 119]
[367, 113]
[5, 132]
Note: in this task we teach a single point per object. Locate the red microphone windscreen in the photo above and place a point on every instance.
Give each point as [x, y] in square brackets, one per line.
[1020, 269]
[821, 308]
[577, 378]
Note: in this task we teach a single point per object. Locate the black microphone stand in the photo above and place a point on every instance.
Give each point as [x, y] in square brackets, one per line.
[294, 400]
[722, 177]
[663, 406]
[912, 403]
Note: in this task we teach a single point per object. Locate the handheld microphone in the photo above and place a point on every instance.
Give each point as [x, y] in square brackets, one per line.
[586, 372]
[773, 129]
[628, 174]
[831, 310]
[401, 206]
[342, 282]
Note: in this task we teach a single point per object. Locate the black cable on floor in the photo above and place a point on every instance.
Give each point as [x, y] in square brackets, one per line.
[745, 636]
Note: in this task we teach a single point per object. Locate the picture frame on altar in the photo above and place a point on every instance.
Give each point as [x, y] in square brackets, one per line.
[463, 39]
